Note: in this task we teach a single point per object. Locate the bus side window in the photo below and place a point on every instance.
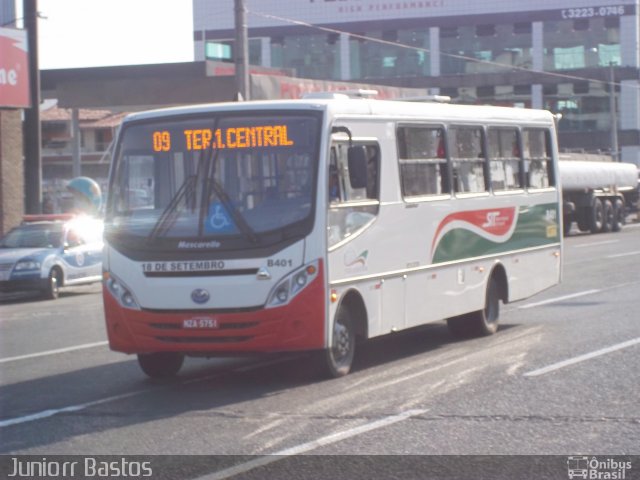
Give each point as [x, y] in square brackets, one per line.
[504, 158]
[422, 159]
[348, 212]
[334, 177]
[537, 157]
[467, 159]
[340, 189]
[373, 166]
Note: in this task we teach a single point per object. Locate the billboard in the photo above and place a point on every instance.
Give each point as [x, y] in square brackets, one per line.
[14, 68]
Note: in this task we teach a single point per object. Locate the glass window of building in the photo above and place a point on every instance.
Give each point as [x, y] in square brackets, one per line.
[309, 56]
[222, 50]
[400, 53]
[485, 48]
[570, 44]
[584, 106]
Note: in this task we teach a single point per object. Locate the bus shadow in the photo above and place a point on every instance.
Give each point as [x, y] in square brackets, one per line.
[409, 343]
[114, 396]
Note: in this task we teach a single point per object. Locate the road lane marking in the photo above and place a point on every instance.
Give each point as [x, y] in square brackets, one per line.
[312, 445]
[72, 408]
[53, 352]
[75, 408]
[560, 299]
[582, 358]
[627, 254]
[604, 242]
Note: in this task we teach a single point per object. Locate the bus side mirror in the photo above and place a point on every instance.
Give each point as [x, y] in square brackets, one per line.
[357, 159]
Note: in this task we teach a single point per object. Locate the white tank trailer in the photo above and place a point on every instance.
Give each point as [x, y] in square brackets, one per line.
[597, 195]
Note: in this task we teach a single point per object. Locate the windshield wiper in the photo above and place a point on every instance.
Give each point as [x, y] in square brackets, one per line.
[238, 218]
[171, 212]
[223, 196]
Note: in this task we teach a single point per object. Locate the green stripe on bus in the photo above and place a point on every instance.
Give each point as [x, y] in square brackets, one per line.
[536, 226]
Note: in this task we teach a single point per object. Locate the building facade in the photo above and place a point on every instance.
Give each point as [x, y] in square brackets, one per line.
[96, 128]
[563, 56]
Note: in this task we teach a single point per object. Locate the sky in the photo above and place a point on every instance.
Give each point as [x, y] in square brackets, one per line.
[92, 33]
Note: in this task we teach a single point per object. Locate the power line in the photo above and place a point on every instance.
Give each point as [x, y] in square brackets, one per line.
[430, 51]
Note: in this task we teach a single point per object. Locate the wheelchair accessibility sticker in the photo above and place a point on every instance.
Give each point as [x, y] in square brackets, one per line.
[219, 220]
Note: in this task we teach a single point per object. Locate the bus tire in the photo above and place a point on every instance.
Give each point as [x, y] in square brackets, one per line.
[54, 281]
[161, 364]
[483, 322]
[596, 216]
[618, 215]
[336, 361]
[608, 217]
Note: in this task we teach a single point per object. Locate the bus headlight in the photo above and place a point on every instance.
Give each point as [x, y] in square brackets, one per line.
[121, 293]
[292, 284]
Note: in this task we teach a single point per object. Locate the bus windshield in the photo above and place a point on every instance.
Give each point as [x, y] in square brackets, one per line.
[215, 177]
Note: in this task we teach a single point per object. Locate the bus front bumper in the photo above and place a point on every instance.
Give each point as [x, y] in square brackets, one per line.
[299, 325]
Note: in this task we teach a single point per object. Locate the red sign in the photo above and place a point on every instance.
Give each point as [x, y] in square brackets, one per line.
[14, 68]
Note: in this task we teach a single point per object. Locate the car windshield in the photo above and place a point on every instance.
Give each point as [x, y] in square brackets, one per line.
[215, 176]
[37, 235]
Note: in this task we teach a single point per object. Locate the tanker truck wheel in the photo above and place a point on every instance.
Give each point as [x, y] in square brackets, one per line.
[618, 215]
[583, 216]
[597, 216]
[608, 217]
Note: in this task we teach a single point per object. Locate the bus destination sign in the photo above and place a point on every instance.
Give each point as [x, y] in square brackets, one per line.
[225, 138]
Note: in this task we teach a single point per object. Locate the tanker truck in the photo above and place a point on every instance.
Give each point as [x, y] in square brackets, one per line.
[597, 195]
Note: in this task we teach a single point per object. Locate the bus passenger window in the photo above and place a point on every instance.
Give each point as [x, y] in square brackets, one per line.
[504, 158]
[467, 159]
[537, 158]
[423, 163]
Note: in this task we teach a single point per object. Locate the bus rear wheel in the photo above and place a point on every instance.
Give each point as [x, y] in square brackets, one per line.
[336, 360]
[161, 364]
[483, 322]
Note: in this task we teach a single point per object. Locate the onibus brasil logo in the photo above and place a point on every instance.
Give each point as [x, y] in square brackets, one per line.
[597, 468]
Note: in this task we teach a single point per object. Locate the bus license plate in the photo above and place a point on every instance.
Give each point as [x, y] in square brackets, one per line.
[200, 322]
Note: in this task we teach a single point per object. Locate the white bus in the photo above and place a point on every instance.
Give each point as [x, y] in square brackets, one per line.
[283, 226]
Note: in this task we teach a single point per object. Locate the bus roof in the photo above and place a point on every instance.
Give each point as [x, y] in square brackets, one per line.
[361, 106]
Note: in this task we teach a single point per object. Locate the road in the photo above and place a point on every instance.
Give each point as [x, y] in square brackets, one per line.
[559, 378]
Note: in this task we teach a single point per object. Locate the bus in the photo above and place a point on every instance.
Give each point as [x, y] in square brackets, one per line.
[310, 224]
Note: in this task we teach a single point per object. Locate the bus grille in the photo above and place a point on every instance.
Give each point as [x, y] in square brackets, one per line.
[205, 339]
[224, 326]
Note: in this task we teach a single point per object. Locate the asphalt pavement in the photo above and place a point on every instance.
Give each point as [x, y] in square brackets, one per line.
[560, 378]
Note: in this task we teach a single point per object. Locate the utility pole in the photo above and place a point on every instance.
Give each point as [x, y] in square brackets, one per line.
[614, 116]
[242, 51]
[32, 129]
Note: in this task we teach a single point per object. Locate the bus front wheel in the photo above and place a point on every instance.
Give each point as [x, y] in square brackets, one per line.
[336, 360]
[483, 322]
[161, 364]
